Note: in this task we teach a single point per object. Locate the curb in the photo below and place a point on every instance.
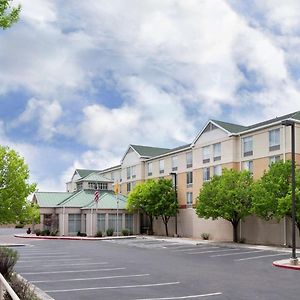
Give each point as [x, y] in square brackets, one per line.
[41, 294]
[74, 238]
[285, 264]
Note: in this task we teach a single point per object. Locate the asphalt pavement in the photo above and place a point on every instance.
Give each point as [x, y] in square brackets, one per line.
[152, 269]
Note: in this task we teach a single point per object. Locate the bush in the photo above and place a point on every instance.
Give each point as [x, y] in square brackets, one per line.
[21, 288]
[54, 233]
[81, 233]
[19, 225]
[110, 232]
[45, 232]
[205, 236]
[28, 231]
[125, 231]
[99, 233]
[8, 259]
[37, 232]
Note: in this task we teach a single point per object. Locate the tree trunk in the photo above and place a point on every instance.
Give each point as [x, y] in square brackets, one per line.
[166, 227]
[235, 230]
[151, 225]
[166, 220]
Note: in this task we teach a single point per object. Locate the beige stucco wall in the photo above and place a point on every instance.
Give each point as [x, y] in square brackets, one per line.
[189, 225]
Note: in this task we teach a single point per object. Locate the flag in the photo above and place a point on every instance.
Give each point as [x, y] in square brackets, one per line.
[116, 188]
[97, 195]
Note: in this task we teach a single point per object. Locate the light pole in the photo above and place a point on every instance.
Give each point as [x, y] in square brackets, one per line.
[294, 259]
[174, 176]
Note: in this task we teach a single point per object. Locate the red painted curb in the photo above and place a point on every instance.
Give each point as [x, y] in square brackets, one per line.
[291, 267]
[74, 238]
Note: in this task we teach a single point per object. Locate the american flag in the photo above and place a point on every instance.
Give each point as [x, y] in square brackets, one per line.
[97, 195]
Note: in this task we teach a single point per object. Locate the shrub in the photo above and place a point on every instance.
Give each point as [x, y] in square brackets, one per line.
[37, 232]
[110, 232]
[28, 231]
[8, 258]
[83, 234]
[45, 232]
[19, 225]
[125, 231]
[99, 233]
[78, 233]
[21, 288]
[205, 236]
[54, 233]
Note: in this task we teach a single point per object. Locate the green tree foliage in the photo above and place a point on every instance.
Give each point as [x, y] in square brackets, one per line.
[30, 215]
[154, 198]
[14, 186]
[8, 14]
[228, 197]
[272, 194]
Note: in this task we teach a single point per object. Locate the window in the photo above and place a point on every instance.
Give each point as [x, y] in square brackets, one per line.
[129, 222]
[112, 222]
[133, 173]
[217, 151]
[189, 159]
[128, 187]
[79, 186]
[128, 172]
[206, 154]
[83, 223]
[161, 166]
[248, 165]
[149, 169]
[98, 185]
[74, 223]
[218, 170]
[274, 159]
[206, 174]
[189, 198]
[274, 139]
[248, 146]
[189, 179]
[174, 163]
[101, 222]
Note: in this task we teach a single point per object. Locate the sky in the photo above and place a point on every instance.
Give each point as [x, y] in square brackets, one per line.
[81, 80]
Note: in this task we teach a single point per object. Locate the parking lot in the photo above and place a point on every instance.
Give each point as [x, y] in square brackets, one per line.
[151, 269]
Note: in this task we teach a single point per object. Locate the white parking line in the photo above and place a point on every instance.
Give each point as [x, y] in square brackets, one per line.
[44, 255]
[183, 297]
[72, 271]
[228, 254]
[210, 251]
[192, 249]
[56, 259]
[113, 287]
[262, 256]
[94, 278]
[63, 265]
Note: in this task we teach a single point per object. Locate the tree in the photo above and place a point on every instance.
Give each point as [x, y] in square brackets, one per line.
[228, 197]
[139, 199]
[166, 203]
[8, 15]
[30, 215]
[272, 194]
[14, 186]
[154, 198]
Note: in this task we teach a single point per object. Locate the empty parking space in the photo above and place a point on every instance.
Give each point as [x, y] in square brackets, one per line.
[145, 269]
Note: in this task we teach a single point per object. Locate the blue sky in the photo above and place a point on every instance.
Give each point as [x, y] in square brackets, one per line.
[80, 80]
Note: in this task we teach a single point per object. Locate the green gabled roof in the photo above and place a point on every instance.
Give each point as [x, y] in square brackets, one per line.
[146, 151]
[294, 115]
[78, 199]
[85, 172]
[96, 177]
[233, 128]
[51, 199]
[108, 200]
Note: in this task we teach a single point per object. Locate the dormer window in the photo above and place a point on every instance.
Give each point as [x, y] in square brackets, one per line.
[98, 185]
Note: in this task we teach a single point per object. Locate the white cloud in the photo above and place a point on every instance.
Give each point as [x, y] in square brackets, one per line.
[44, 113]
[173, 63]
